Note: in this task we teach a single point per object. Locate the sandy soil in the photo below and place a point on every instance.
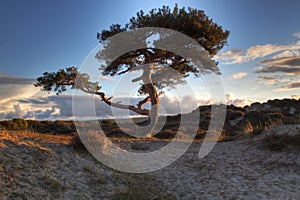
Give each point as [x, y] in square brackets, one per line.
[32, 167]
[234, 170]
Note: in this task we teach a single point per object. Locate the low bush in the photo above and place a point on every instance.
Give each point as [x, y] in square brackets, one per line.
[255, 129]
[15, 124]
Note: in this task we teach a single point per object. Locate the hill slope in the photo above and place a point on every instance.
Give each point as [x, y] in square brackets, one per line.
[35, 166]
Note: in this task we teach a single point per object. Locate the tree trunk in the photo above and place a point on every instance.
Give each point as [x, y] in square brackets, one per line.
[154, 99]
[146, 77]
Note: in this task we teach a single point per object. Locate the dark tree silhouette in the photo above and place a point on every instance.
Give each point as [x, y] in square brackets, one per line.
[151, 61]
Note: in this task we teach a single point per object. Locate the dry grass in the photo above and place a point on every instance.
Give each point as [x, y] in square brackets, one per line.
[28, 138]
[140, 187]
[249, 128]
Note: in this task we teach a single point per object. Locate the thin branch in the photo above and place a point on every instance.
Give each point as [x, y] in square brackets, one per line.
[143, 102]
[125, 71]
[117, 105]
[137, 79]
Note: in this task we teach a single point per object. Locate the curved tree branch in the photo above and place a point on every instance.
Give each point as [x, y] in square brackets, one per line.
[106, 100]
[142, 102]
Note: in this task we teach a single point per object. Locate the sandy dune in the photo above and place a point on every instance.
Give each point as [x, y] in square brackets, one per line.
[35, 167]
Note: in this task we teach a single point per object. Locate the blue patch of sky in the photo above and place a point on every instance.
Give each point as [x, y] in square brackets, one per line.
[38, 36]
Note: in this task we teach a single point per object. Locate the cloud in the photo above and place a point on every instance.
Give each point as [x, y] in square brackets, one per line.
[275, 69]
[259, 51]
[105, 78]
[18, 111]
[295, 85]
[12, 87]
[47, 114]
[33, 101]
[22, 108]
[286, 72]
[267, 78]
[233, 56]
[239, 75]
[289, 87]
[229, 96]
[7, 79]
[236, 101]
[14, 91]
[55, 107]
[288, 68]
[184, 104]
[286, 61]
[19, 98]
[297, 35]
[63, 104]
[287, 53]
[295, 96]
[273, 80]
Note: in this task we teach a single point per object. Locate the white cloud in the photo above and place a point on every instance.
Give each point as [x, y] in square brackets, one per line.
[233, 56]
[273, 80]
[105, 78]
[259, 51]
[289, 87]
[13, 89]
[16, 91]
[60, 107]
[29, 108]
[237, 101]
[285, 73]
[7, 79]
[286, 61]
[287, 53]
[297, 35]
[185, 104]
[229, 96]
[287, 65]
[52, 107]
[239, 75]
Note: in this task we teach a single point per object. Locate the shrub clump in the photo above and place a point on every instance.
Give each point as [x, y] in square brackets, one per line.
[15, 124]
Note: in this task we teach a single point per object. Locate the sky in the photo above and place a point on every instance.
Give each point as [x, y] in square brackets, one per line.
[261, 60]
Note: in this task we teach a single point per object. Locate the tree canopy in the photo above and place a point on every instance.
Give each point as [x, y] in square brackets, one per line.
[148, 59]
[191, 22]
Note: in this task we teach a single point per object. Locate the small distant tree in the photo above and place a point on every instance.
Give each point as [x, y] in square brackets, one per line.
[191, 22]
